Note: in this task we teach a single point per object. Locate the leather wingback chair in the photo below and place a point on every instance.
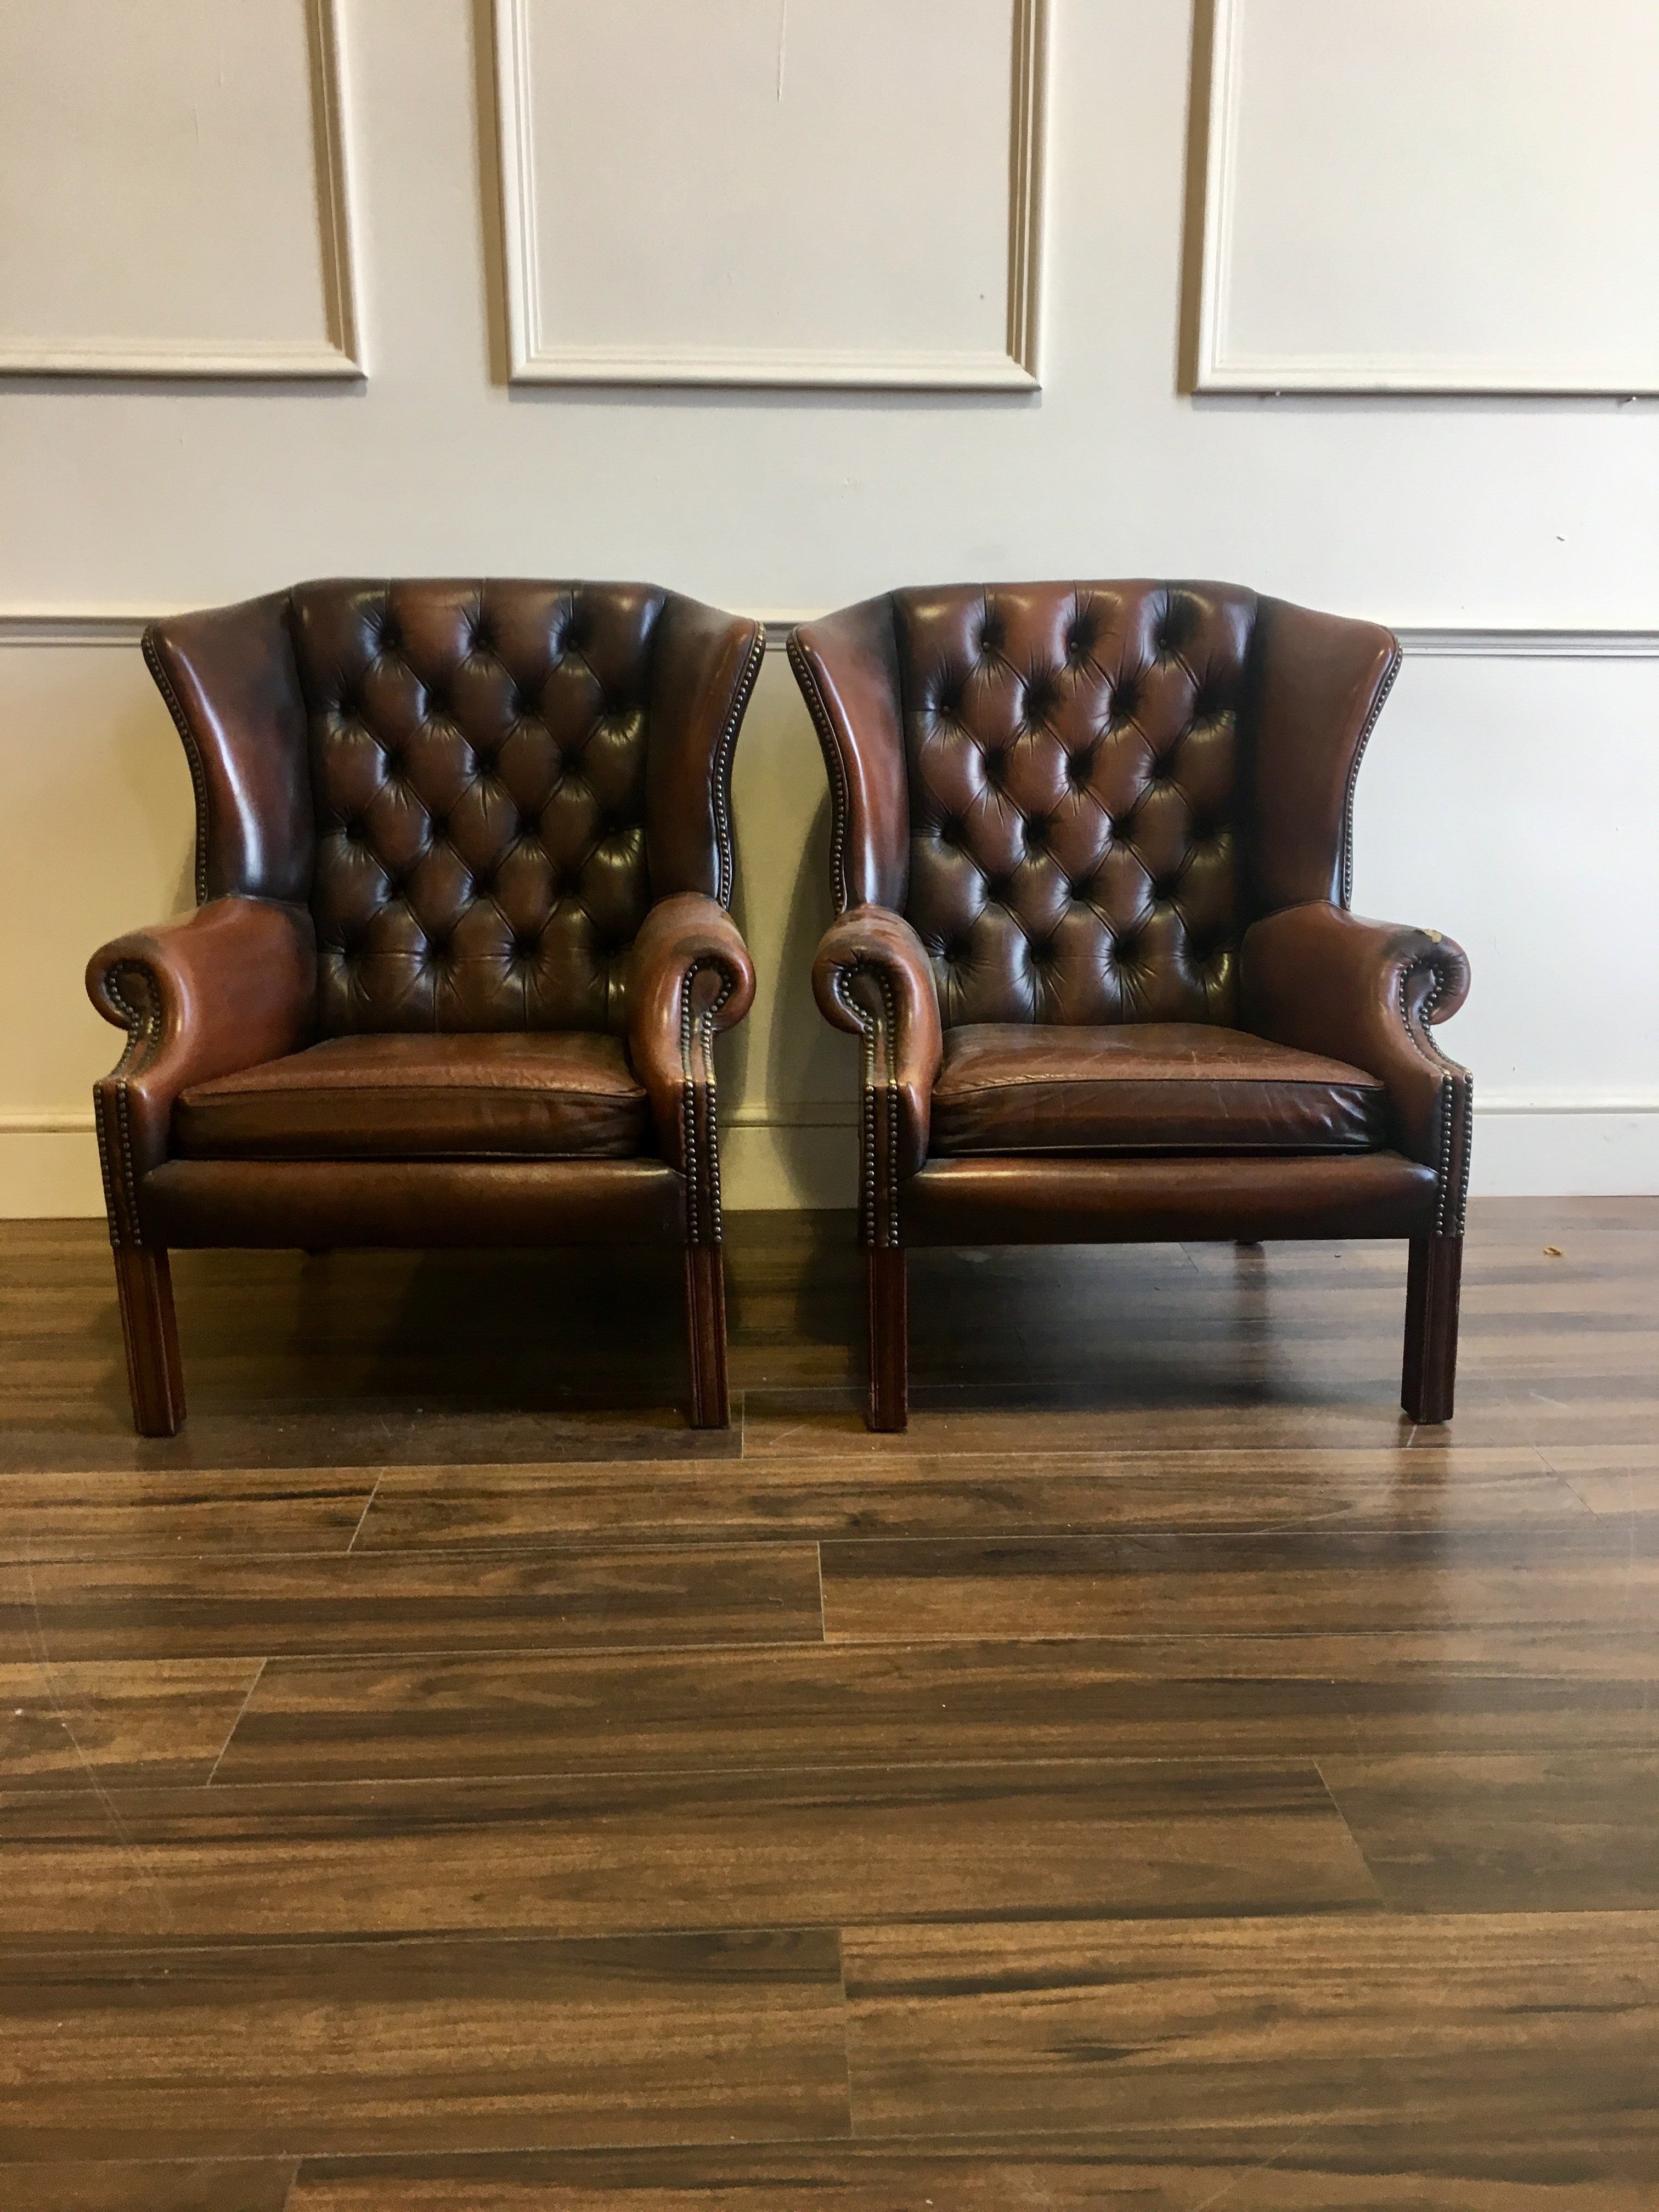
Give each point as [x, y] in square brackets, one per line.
[1091, 860]
[463, 863]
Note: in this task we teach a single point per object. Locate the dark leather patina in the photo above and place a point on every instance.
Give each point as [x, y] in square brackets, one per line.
[1092, 859]
[463, 855]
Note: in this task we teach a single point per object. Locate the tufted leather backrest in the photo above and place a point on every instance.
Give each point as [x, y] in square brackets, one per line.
[1073, 758]
[478, 770]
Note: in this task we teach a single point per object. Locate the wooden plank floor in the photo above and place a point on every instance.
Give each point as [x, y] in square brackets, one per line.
[1163, 1779]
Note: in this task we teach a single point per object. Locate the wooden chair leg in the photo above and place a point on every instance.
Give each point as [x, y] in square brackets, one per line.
[143, 1283]
[705, 1322]
[1432, 1283]
[888, 1308]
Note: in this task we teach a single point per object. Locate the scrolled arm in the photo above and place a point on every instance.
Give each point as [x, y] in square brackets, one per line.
[223, 989]
[1322, 980]
[872, 978]
[689, 977]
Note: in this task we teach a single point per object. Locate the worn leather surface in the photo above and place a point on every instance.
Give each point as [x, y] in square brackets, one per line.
[847, 667]
[221, 989]
[480, 786]
[1317, 684]
[228, 677]
[1323, 980]
[872, 978]
[1147, 1087]
[538, 1094]
[412, 1203]
[1037, 1200]
[472, 796]
[691, 977]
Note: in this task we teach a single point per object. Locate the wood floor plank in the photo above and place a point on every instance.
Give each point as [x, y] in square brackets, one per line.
[983, 1494]
[203, 2185]
[117, 1720]
[798, 1706]
[408, 2046]
[72, 1514]
[1058, 2176]
[624, 1858]
[408, 1602]
[1502, 2047]
[1308, 1582]
[1530, 1830]
[1611, 1479]
[837, 2177]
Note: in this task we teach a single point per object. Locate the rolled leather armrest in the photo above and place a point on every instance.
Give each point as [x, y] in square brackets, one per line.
[223, 989]
[1322, 980]
[872, 977]
[688, 975]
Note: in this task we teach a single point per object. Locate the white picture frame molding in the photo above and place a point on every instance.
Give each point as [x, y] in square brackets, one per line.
[1213, 370]
[338, 356]
[533, 359]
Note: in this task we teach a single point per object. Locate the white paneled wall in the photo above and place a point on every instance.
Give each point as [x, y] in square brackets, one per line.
[1511, 792]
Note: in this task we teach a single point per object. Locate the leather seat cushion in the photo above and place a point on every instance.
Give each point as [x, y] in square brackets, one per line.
[545, 1094]
[1147, 1087]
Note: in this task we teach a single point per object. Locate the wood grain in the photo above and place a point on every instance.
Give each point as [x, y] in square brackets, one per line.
[67, 1723]
[751, 1850]
[401, 1601]
[1532, 1831]
[425, 1782]
[1498, 2046]
[1176, 1697]
[419, 2045]
[974, 1494]
[1309, 1584]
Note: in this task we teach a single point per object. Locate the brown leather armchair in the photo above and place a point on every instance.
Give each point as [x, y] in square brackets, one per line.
[463, 862]
[1092, 860]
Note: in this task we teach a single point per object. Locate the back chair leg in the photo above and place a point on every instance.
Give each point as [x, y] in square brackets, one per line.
[143, 1283]
[890, 1337]
[1432, 1282]
[705, 1321]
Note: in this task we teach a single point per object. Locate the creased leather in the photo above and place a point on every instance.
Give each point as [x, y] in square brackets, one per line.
[690, 976]
[535, 1094]
[1140, 1087]
[1323, 980]
[218, 990]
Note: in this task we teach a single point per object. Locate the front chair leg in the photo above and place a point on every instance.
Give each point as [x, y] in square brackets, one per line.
[887, 1304]
[143, 1283]
[1432, 1283]
[705, 1322]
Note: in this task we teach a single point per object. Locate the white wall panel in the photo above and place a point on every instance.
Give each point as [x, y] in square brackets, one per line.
[775, 191]
[172, 193]
[1432, 195]
[1504, 799]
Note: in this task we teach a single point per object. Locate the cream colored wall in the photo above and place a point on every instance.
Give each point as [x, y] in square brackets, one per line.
[1509, 796]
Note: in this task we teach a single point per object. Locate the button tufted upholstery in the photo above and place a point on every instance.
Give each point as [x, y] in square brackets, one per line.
[1092, 853]
[1072, 758]
[478, 767]
[461, 947]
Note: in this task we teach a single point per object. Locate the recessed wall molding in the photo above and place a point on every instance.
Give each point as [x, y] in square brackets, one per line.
[539, 353]
[336, 354]
[1392, 202]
